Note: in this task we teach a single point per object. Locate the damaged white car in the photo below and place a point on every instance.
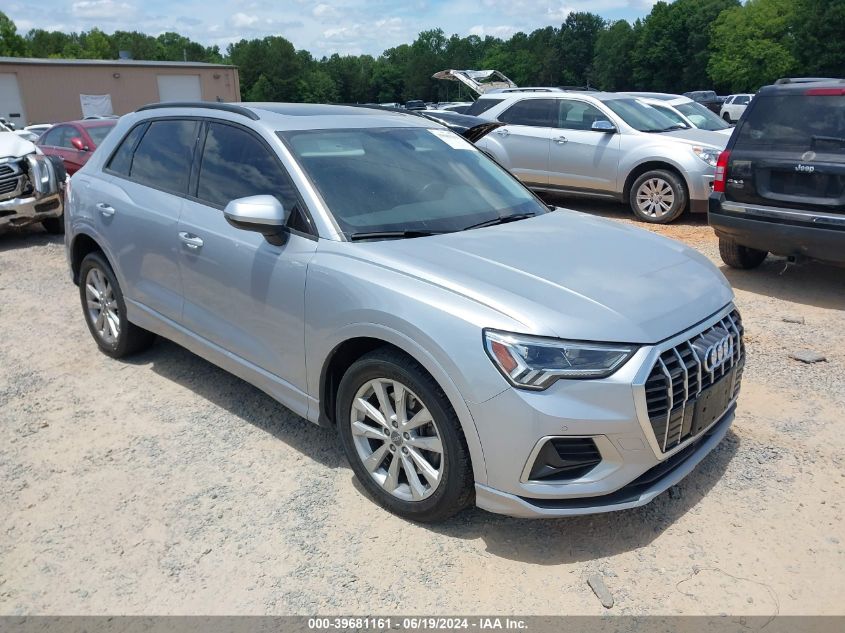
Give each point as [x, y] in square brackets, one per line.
[31, 185]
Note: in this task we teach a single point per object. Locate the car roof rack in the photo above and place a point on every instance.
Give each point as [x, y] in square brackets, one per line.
[209, 105]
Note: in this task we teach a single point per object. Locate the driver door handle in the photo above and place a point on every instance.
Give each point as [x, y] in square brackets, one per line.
[191, 241]
[560, 140]
[105, 209]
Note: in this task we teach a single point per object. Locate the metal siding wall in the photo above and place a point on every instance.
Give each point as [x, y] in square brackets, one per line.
[50, 93]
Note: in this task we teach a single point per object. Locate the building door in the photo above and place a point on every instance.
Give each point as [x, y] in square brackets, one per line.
[179, 88]
[11, 104]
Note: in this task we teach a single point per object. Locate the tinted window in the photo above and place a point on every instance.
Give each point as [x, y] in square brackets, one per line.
[60, 136]
[701, 117]
[741, 100]
[163, 157]
[98, 134]
[803, 122]
[121, 160]
[482, 105]
[534, 112]
[577, 115]
[235, 164]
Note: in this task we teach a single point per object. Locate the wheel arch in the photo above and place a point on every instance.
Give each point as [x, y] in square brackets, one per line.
[649, 165]
[82, 245]
[362, 340]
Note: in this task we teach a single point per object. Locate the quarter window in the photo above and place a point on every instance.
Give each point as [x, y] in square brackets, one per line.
[235, 164]
[121, 161]
[163, 157]
[533, 112]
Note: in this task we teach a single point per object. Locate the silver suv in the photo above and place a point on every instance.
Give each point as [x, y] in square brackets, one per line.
[376, 273]
[605, 145]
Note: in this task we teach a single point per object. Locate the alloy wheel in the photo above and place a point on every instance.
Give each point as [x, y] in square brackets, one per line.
[102, 306]
[397, 439]
[655, 198]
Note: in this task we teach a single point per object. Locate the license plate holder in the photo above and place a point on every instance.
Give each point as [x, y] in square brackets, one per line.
[711, 404]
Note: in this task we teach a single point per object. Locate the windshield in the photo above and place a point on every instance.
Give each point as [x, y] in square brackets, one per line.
[376, 180]
[641, 116]
[701, 117]
[99, 133]
[671, 114]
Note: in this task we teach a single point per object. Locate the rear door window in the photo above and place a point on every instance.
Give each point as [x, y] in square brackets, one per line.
[163, 157]
[482, 105]
[532, 112]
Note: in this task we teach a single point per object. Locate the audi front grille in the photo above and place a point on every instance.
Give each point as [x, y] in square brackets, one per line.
[681, 388]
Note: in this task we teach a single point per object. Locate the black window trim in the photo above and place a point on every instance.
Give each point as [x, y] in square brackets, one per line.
[193, 175]
[193, 185]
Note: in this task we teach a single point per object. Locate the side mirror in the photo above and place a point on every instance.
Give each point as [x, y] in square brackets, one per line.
[261, 214]
[78, 144]
[603, 126]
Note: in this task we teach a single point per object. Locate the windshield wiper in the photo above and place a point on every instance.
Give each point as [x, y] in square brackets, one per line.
[815, 138]
[666, 129]
[371, 235]
[502, 220]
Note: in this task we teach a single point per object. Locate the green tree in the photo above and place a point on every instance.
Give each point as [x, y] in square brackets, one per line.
[612, 66]
[818, 43]
[752, 45]
[578, 35]
[11, 44]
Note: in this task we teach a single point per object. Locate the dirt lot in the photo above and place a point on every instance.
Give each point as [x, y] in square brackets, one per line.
[166, 486]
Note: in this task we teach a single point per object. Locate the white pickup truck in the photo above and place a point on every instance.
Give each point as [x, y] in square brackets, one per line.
[31, 185]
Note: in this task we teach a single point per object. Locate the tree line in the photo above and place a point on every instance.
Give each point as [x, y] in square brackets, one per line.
[726, 45]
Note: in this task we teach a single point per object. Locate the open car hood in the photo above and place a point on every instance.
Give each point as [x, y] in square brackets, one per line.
[480, 81]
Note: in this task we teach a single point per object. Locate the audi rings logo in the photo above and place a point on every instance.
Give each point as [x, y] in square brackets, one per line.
[718, 353]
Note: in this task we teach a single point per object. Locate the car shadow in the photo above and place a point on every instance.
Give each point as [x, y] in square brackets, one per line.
[241, 399]
[590, 537]
[810, 283]
[27, 237]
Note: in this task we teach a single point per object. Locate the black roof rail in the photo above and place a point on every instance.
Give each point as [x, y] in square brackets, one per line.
[210, 105]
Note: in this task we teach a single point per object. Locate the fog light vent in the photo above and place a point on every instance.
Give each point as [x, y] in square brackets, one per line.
[565, 458]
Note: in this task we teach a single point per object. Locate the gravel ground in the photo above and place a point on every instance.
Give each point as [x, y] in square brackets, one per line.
[163, 485]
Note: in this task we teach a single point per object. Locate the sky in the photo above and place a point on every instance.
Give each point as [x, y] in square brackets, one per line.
[322, 27]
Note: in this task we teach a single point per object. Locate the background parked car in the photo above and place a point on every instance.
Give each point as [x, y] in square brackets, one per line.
[779, 184]
[707, 98]
[74, 141]
[39, 128]
[734, 106]
[602, 144]
[684, 110]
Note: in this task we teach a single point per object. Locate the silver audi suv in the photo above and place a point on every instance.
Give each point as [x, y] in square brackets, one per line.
[377, 273]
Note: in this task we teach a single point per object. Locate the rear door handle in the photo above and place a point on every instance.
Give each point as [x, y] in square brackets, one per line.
[105, 209]
[560, 140]
[191, 241]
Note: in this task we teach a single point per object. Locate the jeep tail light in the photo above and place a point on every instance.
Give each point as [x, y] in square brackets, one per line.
[721, 171]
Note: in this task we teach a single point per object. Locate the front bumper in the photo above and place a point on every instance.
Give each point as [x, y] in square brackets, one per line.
[29, 210]
[613, 412]
[701, 186]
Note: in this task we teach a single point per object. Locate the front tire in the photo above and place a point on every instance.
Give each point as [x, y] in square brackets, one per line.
[54, 226]
[738, 256]
[402, 437]
[105, 310]
[658, 197]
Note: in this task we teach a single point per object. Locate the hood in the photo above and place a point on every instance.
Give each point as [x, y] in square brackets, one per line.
[568, 274]
[727, 131]
[695, 136]
[479, 81]
[13, 146]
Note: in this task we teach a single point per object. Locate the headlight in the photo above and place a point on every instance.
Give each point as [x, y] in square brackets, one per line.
[707, 154]
[535, 362]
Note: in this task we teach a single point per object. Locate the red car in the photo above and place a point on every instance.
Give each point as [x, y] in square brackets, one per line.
[74, 141]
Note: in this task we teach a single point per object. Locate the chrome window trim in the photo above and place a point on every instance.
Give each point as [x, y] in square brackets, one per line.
[814, 217]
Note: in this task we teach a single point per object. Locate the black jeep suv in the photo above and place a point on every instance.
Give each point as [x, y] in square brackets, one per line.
[780, 183]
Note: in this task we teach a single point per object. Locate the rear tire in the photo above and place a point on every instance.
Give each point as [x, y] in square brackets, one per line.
[738, 256]
[727, 117]
[54, 226]
[105, 310]
[658, 197]
[420, 472]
